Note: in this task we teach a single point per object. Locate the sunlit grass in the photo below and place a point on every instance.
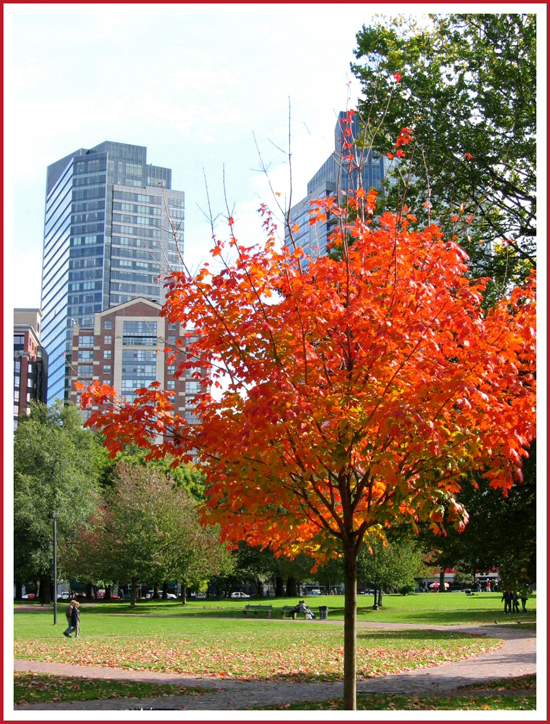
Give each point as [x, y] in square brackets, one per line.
[237, 648]
[422, 608]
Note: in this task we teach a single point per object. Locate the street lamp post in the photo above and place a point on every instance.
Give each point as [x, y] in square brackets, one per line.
[54, 569]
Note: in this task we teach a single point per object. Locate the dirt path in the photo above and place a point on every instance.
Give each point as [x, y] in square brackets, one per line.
[515, 657]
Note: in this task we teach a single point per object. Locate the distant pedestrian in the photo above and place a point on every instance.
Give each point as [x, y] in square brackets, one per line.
[488, 586]
[74, 621]
[515, 602]
[68, 614]
[524, 595]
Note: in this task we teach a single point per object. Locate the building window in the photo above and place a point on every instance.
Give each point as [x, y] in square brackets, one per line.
[107, 339]
[107, 354]
[171, 339]
[140, 334]
[85, 370]
[86, 340]
[85, 355]
[171, 369]
[171, 385]
[107, 324]
[106, 368]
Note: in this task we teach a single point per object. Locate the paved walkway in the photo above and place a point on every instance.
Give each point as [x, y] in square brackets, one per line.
[516, 656]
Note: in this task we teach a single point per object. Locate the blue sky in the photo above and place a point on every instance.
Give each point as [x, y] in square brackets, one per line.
[193, 83]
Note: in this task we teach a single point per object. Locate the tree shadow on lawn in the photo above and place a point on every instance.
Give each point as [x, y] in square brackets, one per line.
[458, 617]
[411, 635]
[365, 613]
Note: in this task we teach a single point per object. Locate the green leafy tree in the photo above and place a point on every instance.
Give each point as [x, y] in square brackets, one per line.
[57, 469]
[184, 475]
[502, 531]
[390, 564]
[148, 530]
[465, 87]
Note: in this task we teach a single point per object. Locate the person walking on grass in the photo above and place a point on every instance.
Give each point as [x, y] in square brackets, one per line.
[68, 614]
[507, 598]
[74, 622]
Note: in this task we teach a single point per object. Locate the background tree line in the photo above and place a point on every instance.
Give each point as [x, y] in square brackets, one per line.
[128, 520]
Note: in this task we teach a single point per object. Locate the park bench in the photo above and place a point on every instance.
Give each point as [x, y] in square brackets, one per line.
[288, 610]
[257, 608]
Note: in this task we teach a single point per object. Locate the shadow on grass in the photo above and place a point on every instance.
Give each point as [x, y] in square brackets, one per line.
[412, 635]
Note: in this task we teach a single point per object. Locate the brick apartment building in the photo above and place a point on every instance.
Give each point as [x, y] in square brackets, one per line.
[30, 362]
[125, 349]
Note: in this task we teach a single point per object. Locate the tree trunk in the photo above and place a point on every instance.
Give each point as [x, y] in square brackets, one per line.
[164, 590]
[89, 591]
[442, 581]
[380, 596]
[156, 591]
[18, 590]
[279, 586]
[45, 596]
[291, 587]
[183, 593]
[133, 595]
[350, 638]
[108, 593]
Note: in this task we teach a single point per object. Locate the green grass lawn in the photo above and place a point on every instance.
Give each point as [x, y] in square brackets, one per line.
[401, 702]
[32, 688]
[421, 608]
[232, 647]
[213, 638]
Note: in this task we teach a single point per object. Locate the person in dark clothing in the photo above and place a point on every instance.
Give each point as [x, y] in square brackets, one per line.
[68, 614]
[75, 621]
[515, 602]
[507, 598]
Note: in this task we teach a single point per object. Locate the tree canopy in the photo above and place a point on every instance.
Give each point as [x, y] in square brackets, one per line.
[360, 391]
[147, 529]
[57, 470]
[465, 87]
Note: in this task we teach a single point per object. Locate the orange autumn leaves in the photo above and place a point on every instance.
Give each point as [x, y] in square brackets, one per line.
[355, 393]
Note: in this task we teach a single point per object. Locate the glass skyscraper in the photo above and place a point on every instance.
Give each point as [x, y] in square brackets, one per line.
[333, 178]
[113, 226]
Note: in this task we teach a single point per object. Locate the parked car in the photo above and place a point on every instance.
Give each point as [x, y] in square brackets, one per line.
[239, 594]
[314, 592]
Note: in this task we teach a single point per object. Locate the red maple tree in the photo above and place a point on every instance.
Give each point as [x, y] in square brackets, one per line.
[351, 394]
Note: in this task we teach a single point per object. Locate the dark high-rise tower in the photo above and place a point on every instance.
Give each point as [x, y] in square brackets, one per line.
[334, 178]
[108, 235]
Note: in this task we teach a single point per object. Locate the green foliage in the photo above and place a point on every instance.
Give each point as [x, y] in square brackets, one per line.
[391, 565]
[466, 87]
[501, 531]
[183, 475]
[57, 468]
[148, 530]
